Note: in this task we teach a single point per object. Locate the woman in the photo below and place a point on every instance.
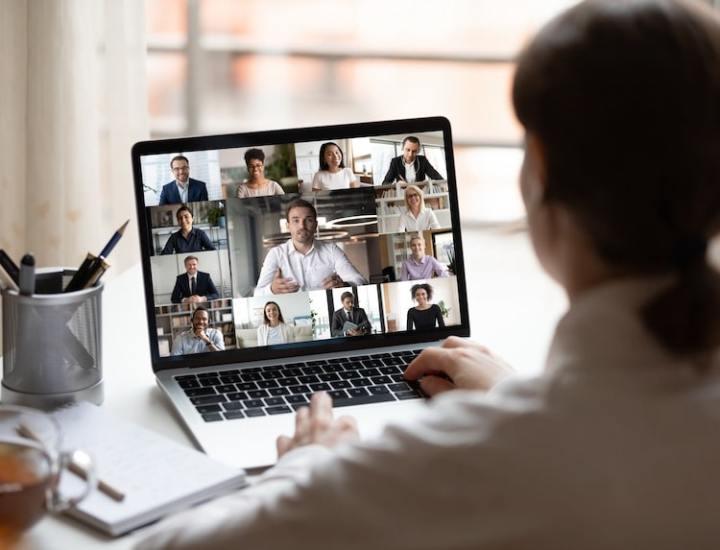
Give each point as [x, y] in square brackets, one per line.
[274, 330]
[332, 174]
[615, 444]
[417, 216]
[188, 238]
[424, 315]
[257, 185]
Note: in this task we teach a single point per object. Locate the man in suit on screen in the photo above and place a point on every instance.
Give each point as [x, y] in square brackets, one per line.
[193, 286]
[183, 189]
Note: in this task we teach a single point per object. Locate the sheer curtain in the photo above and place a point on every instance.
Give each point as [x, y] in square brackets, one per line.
[73, 96]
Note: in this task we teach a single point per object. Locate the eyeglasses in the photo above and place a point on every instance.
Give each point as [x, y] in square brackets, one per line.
[412, 195]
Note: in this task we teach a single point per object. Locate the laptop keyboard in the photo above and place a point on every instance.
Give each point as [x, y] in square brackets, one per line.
[282, 389]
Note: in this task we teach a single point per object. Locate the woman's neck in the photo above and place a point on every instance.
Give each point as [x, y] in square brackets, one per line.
[275, 323]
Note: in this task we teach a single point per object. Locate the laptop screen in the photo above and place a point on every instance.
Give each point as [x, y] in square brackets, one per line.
[332, 238]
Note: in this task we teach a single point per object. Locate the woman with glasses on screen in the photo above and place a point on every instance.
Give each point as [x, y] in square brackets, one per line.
[257, 185]
[332, 174]
[416, 216]
[615, 444]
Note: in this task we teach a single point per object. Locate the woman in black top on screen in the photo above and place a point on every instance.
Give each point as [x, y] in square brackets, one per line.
[424, 315]
[187, 238]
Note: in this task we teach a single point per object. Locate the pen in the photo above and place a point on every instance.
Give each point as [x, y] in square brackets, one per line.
[27, 275]
[113, 241]
[8, 265]
[75, 468]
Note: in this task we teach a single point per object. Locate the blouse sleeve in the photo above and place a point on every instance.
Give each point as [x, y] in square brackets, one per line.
[277, 189]
[434, 223]
[409, 323]
[438, 316]
[316, 182]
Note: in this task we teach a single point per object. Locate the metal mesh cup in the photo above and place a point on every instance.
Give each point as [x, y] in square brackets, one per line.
[52, 344]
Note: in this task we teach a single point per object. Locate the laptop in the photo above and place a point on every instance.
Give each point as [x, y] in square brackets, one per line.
[285, 262]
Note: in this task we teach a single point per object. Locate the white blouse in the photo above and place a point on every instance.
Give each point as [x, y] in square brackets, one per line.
[325, 181]
[269, 188]
[614, 446]
[426, 219]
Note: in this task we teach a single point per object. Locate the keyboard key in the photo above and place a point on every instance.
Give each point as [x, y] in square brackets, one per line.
[357, 392]
[336, 360]
[230, 379]
[378, 390]
[388, 370]
[393, 361]
[363, 400]
[254, 412]
[278, 391]
[245, 386]
[338, 394]
[372, 363]
[273, 401]
[189, 384]
[367, 373]
[299, 389]
[288, 382]
[294, 365]
[278, 410]
[320, 386]
[253, 403]
[398, 353]
[208, 400]
[233, 406]
[399, 387]
[231, 372]
[353, 365]
[290, 372]
[239, 396]
[197, 392]
[206, 382]
[381, 355]
[358, 382]
[256, 394]
[318, 362]
[208, 374]
[202, 409]
[308, 379]
[233, 415]
[381, 380]
[267, 384]
[328, 377]
[349, 374]
[399, 377]
[250, 376]
[340, 384]
[272, 374]
[312, 370]
[212, 417]
[271, 368]
[403, 395]
[296, 399]
[228, 388]
[333, 368]
[185, 377]
[363, 357]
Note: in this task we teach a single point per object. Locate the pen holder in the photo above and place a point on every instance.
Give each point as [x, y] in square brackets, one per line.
[52, 344]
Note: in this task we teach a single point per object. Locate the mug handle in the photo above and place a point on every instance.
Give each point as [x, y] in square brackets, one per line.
[67, 461]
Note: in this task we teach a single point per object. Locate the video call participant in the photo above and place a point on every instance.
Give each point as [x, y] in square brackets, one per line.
[333, 174]
[188, 238]
[411, 167]
[417, 216]
[200, 338]
[424, 315]
[303, 263]
[193, 286]
[274, 330]
[349, 320]
[183, 189]
[257, 185]
[419, 265]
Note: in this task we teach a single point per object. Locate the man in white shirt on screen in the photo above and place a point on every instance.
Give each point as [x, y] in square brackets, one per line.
[302, 263]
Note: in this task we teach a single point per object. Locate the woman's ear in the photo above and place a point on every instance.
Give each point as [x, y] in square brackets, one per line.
[533, 179]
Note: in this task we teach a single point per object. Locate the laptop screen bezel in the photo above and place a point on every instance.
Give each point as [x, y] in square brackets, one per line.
[296, 135]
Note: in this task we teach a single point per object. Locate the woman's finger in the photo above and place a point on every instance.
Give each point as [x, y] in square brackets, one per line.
[433, 385]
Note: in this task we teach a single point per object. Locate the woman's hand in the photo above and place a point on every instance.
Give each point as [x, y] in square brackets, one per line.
[316, 425]
[457, 364]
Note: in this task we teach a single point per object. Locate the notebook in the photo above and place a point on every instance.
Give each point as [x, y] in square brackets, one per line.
[157, 475]
[250, 244]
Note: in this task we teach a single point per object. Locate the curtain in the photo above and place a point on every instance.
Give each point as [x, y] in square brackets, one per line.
[73, 96]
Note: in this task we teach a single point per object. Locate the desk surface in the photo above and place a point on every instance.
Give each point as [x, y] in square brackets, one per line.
[513, 310]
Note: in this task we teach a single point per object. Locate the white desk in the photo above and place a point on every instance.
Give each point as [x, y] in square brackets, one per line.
[513, 309]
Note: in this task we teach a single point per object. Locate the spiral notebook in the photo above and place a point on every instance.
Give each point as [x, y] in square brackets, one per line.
[157, 475]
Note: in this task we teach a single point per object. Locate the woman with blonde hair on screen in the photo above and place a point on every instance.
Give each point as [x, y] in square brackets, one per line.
[614, 445]
[416, 216]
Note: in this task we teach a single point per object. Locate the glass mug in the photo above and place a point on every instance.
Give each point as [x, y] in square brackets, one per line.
[31, 463]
